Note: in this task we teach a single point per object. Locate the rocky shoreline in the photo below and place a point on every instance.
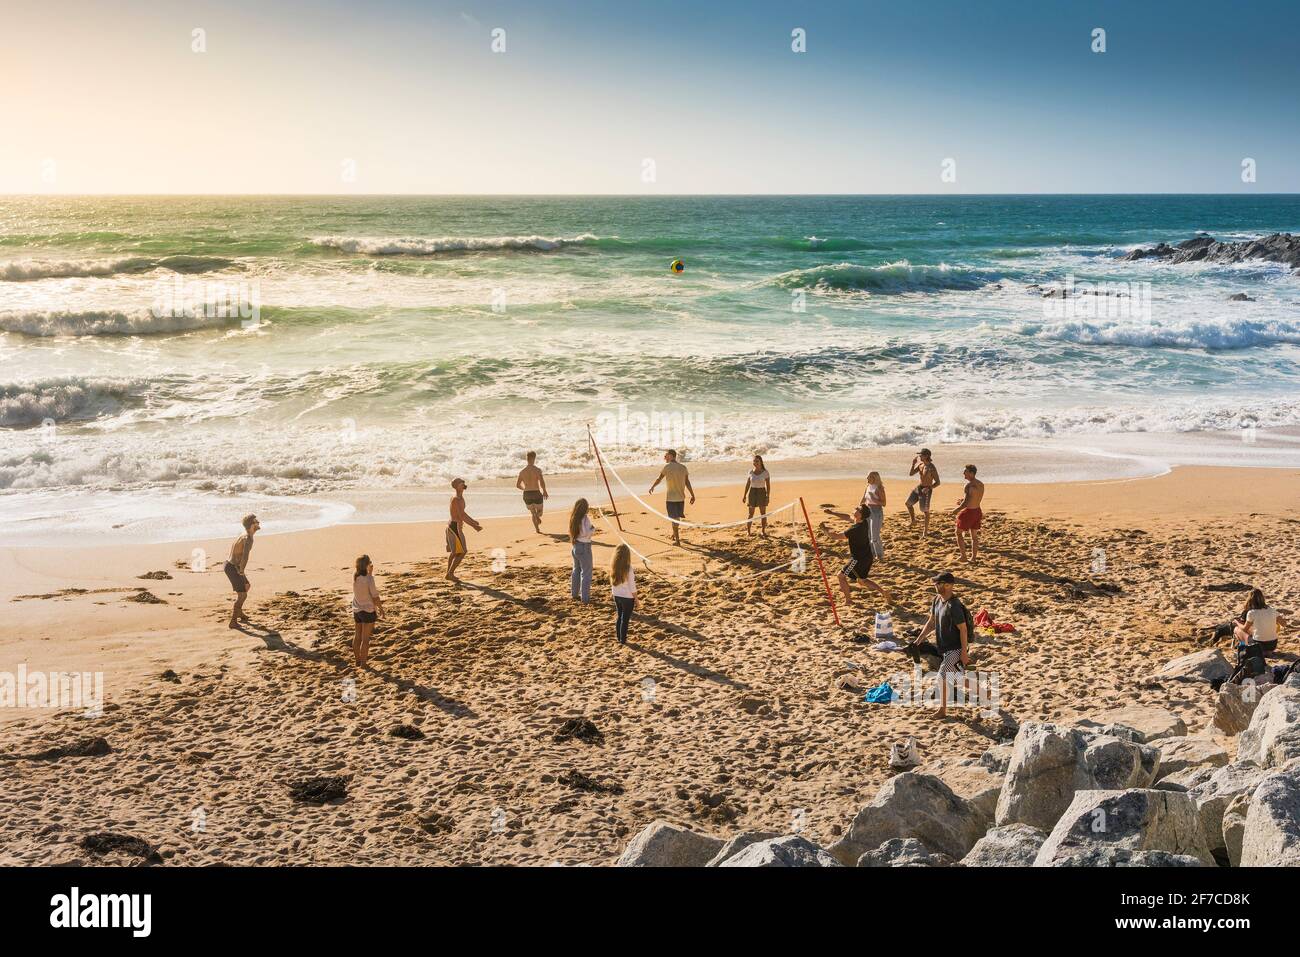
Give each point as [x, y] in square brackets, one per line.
[1126, 788]
[1278, 248]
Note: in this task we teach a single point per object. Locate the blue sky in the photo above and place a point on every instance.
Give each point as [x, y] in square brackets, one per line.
[399, 96]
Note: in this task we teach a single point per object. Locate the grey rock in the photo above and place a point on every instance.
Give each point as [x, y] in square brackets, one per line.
[1234, 828]
[1150, 722]
[1271, 835]
[788, 851]
[1213, 797]
[1139, 819]
[1278, 248]
[913, 805]
[1187, 778]
[1049, 763]
[661, 844]
[1234, 708]
[1179, 754]
[1015, 845]
[1273, 737]
[904, 852]
[738, 843]
[1199, 666]
[968, 778]
[997, 758]
[1122, 857]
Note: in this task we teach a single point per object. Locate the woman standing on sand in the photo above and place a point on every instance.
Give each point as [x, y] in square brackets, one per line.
[580, 532]
[366, 608]
[623, 584]
[757, 493]
[873, 499]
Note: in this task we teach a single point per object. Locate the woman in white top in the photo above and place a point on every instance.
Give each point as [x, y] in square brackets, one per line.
[366, 608]
[1259, 624]
[622, 578]
[873, 499]
[580, 532]
[757, 493]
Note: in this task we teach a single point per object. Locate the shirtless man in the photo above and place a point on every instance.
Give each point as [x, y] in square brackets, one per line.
[969, 515]
[928, 480]
[237, 564]
[456, 547]
[534, 488]
[677, 481]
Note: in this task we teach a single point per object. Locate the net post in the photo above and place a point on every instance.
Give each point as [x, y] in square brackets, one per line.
[812, 537]
[595, 448]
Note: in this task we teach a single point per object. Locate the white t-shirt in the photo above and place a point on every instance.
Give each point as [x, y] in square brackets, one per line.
[1265, 622]
[364, 593]
[587, 530]
[872, 495]
[628, 588]
[759, 479]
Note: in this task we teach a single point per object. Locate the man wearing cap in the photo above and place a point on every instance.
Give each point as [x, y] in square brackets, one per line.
[950, 622]
[927, 481]
[456, 547]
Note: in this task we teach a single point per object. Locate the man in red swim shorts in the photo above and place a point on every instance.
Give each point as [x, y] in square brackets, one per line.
[969, 515]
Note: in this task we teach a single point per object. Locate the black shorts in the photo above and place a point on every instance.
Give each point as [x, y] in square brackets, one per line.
[758, 498]
[858, 569]
[677, 510]
[237, 581]
[532, 498]
[365, 617]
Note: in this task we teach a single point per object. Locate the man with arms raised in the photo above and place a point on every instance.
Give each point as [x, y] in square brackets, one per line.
[927, 481]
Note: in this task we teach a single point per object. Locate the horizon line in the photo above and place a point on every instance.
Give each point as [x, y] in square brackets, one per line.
[402, 195]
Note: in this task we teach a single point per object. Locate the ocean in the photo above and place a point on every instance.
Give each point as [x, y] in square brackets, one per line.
[309, 349]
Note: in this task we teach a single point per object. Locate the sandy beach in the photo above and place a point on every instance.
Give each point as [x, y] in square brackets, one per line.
[723, 712]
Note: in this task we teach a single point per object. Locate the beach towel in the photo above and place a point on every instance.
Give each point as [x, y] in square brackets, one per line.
[984, 620]
[880, 694]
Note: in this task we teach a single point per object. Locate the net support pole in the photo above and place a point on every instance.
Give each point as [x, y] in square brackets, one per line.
[812, 537]
[596, 448]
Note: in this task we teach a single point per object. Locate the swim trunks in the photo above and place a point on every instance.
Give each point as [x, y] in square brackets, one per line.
[533, 498]
[237, 581]
[455, 540]
[677, 510]
[922, 495]
[969, 519]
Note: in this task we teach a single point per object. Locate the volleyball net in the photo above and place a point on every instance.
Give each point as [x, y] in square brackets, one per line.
[789, 536]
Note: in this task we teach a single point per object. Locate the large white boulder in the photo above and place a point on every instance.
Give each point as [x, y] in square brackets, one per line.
[1097, 824]
[661, 844]
[738, 843]
[1271, 835]
[914, 805]
[1050, 763]
[1273, 736]
[969, 778]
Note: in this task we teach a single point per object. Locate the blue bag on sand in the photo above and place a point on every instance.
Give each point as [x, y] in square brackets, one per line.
[880, 694]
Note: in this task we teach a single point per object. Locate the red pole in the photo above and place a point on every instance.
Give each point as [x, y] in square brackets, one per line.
[592, 439]
[817, 551]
